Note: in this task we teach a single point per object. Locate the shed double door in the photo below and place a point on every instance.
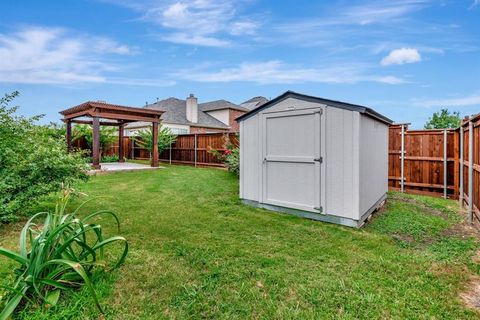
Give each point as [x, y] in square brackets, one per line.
[291, 159]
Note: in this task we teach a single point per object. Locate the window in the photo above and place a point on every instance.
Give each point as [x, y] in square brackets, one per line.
[179, 131]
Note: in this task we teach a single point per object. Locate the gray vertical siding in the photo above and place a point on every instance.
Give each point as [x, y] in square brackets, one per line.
[341, 162]
[249, 159]
[373, 162]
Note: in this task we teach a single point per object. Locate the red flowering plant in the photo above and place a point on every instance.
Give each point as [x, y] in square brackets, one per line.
[229, 155]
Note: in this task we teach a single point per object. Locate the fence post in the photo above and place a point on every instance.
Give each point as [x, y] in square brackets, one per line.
[445, 165]
[460, 198]
[170, 154]
[470, 171]
[133, 149]
[402, 160]
[195, 150]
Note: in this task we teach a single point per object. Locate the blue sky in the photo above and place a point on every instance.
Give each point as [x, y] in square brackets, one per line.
[404, 58]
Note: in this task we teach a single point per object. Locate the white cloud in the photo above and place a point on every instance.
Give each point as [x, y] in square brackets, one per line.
[475, 3]
[274, 72]
[199, 40]
[390, 80]
[196, 22]
[450, 102]
[401, 56]
[243, 28]
[37, 55]
[382, 11]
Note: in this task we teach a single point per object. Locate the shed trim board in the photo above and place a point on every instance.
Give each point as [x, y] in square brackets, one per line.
[333, 103]
[314, 159]
[318, 216]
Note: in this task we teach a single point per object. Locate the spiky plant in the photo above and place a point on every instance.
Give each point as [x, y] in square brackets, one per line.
[61, 253]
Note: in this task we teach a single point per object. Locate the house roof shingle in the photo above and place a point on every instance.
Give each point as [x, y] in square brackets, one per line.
[175, 112]
[220, 105]
[254, 102]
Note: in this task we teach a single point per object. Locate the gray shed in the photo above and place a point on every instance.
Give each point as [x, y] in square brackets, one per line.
[313, 157]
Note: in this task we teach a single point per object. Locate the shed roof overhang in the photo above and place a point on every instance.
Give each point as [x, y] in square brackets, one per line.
[119, 114]
[337, 104]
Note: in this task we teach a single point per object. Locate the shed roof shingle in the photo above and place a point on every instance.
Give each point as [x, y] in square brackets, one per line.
[338, 104]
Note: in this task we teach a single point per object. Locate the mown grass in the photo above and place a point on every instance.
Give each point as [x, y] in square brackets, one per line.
[197, 252]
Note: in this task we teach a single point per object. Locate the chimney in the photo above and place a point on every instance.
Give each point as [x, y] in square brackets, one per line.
[192, 109]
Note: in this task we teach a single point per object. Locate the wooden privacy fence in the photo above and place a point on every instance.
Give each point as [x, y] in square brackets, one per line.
[191, 149]
[194, 149]
[470, 166]
[444, 162]
[423, 161]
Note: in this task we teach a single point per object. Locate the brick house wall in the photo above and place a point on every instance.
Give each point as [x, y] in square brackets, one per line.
[205, 130]
[234, 126]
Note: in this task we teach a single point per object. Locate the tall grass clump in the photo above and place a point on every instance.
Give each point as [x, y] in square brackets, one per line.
[58, 251]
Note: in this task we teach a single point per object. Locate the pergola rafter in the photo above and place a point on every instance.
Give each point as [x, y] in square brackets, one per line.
[105, 114]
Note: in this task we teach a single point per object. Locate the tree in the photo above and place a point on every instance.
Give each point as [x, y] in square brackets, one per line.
[165, 138]
[444, 120]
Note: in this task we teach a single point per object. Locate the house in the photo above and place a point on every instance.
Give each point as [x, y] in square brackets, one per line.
[313, 157]
[189, 116]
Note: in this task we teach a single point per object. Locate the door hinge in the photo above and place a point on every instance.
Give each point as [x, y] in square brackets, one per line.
[318, 159]
[319, 209]
[319, 111]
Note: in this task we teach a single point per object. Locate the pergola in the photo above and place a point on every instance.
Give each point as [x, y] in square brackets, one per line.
[104, 114]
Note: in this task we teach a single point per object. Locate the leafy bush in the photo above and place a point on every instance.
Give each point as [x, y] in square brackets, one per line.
[60, 253]
[165, 138]
[108, 135]
[230, 156]
[33, 161]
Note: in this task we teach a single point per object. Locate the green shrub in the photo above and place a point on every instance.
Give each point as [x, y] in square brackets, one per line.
[33, 161]
[113, 158]
[230, 156]
[165, 138]
[108, 135]
[59, 253]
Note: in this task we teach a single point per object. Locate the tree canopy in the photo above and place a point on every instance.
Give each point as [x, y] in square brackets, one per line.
[443, 119]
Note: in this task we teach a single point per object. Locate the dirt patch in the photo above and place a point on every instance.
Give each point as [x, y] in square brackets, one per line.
[462, 230]
[471, 297]
[423, 206]
[403, 237]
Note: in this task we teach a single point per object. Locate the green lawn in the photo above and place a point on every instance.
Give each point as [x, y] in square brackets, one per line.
[197, 252]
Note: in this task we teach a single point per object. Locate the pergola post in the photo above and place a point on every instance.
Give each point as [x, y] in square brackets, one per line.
[69, 135]
[96, 143]
[155, 144]
[120, 143]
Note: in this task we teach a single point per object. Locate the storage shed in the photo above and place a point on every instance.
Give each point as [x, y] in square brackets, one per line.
[313, 157]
